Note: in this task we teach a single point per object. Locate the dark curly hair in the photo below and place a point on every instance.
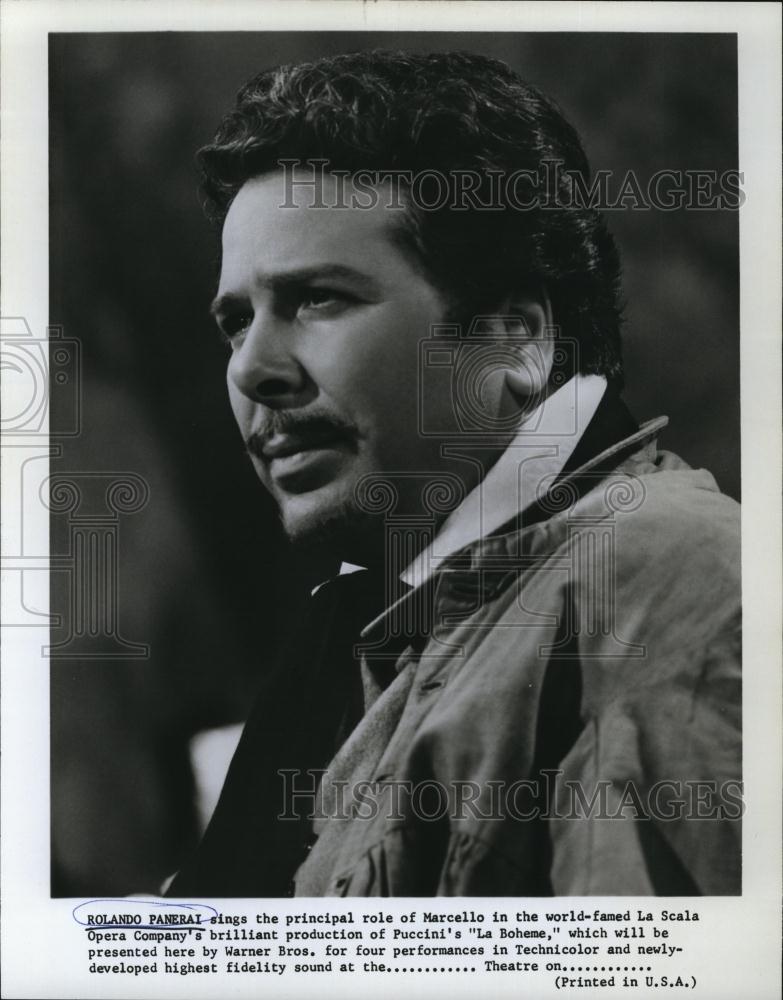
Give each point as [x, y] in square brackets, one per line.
[387, 111]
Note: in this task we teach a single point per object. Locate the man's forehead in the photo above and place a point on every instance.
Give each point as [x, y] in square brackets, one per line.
[309, 216]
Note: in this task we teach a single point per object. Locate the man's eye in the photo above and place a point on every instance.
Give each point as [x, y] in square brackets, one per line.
[324, 300]
[232, 325]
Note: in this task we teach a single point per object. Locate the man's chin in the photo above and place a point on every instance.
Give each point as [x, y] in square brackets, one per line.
[333, 523]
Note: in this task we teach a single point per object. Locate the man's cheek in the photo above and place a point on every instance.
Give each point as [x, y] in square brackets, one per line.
[372, 354]
[242, 408]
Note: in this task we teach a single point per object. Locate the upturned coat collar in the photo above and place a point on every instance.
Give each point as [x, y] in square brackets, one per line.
[591, 461]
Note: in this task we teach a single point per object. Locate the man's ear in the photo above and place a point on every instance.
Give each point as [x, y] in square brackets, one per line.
[528, 328]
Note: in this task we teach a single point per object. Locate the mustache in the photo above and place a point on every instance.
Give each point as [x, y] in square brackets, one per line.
[316, 425]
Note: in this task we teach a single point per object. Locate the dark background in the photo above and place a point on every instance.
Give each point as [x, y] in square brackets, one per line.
[205, 578]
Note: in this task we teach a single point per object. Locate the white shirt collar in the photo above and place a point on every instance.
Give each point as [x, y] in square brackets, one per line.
[542, 445]
[544, 442]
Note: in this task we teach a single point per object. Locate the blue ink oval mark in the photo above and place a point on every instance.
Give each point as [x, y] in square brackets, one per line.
[149, 914]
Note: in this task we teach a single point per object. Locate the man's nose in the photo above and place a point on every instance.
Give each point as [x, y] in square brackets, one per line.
[263, 366]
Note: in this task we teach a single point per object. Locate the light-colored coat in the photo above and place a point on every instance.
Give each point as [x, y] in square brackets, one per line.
[571, 723]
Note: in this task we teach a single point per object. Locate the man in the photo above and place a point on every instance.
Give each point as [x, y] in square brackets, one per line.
[525, 680]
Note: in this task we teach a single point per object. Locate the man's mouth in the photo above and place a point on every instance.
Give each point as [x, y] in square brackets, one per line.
[304, 459]
[289, 444]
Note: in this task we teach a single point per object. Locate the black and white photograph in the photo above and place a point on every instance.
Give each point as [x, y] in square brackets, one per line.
[509, 417]
[404, 502]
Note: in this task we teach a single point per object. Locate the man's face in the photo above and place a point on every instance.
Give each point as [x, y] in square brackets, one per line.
[324, 313]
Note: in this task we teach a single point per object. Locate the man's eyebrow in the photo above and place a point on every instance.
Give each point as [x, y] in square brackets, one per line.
[222, 304]
[298, 277]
